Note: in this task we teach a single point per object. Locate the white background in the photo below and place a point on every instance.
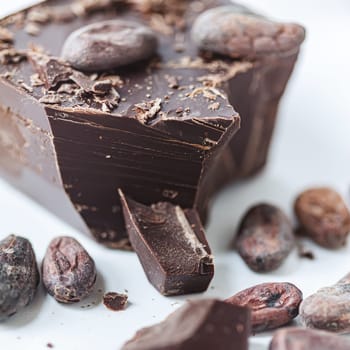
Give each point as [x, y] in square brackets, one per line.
[311, 147]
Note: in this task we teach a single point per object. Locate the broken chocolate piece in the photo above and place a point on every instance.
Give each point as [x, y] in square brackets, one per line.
[157, 138]
[171, 246]
[108, 45]
[201, 324]
[115, 301]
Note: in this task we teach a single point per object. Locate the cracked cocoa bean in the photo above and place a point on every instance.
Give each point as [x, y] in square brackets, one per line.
[265, 238]
[328, 308]
[19, 275]
[323, 216]
[238, 33]
[272, 304]
[306, 339]
[69, 272]
[108, 45]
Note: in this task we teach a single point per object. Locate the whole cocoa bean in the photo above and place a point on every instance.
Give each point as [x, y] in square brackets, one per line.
[19, 275]
[328, 308]
[69, 272]
[323, 216]
[272, 304]
[238, 33]
[306, 339]
[107, 45]
[265, 238]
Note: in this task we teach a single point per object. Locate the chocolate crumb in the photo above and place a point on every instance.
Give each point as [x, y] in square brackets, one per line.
[5, 35]
[115, 301]
[49, 345]
[214, 106]
[32, 29]
[172, 81]
[303, 252]
[146, 111]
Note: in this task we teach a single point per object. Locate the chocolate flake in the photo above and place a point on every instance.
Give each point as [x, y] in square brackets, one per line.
[11, 56]
[51, 70]
[5, 35]
[32, 29]
[146, 111]
[51, 98]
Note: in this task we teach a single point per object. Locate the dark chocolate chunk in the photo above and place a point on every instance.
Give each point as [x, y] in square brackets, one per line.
[171, 246]
[69, 272]
[236, 32]
[201, 324]
[115, 301]
[108, 45]
[306, 339]
[161, 132]
[265, 238]
[19, 275]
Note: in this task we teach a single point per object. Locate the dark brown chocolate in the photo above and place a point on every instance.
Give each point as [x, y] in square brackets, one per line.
[162, 129]
[201, 324]
[171, 246]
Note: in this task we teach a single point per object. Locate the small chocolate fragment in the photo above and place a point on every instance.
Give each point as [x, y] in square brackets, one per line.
[171, 246]
[323, 216]
[19, 275]
[306, 339]
[115, 301]
[238, 33]
[272, 304]
[265, 238]
[108, 45]
[69, 272]
[201, 324]
[328, 308]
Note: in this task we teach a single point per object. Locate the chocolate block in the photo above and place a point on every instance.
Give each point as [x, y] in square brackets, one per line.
[163, 129]
[171, 246]
[201, 324]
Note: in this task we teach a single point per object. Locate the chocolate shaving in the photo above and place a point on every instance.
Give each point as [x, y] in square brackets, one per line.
[32, 29]
[11, 56]
[5, 35]
[146, 111]
[51, 70]
[51, 98]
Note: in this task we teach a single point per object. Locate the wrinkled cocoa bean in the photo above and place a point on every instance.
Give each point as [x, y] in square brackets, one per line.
[19, 275]
[265, 238]
[306, 339]
[272, 304]
[108, 45]
[238, 33]
[69, 272]
[328, 308]
[323, 216]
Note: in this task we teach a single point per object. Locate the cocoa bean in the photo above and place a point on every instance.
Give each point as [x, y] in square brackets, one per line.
[19, 275]
[323, 216]
[272, 304]
[265, 238]
[69, 272]
[306, 339]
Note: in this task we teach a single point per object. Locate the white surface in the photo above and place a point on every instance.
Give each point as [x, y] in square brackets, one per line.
[311, 147]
